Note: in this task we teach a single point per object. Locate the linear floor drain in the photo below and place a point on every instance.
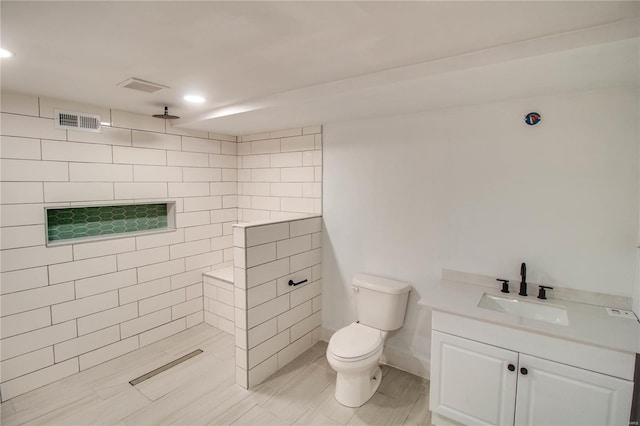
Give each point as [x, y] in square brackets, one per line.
[165, 367]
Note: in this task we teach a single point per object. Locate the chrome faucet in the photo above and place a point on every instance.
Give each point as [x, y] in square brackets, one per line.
[523, 282]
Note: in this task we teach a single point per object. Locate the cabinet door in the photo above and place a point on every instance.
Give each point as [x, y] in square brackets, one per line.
[551, 393]
[471, 382]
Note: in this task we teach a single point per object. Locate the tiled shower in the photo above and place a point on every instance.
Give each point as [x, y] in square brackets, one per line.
[68, 305]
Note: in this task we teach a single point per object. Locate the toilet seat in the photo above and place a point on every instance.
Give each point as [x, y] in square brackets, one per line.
[355, 342]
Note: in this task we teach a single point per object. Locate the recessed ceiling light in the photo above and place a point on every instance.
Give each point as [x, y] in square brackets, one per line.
[196, 99]
[4, 53]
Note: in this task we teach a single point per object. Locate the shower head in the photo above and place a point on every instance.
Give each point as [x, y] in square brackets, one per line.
[166, 115]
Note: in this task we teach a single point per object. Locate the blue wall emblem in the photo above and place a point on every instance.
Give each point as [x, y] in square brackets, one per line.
[532, 118]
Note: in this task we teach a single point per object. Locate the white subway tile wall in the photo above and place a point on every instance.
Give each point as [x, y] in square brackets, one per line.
[274, 321]
[69, 307]
[279, 174]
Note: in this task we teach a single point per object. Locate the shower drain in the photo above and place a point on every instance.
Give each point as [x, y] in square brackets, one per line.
[165, 367]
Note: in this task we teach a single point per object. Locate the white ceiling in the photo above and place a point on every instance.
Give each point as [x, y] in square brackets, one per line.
[272, 65]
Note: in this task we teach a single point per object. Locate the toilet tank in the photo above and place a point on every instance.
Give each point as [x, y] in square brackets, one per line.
[380, 302]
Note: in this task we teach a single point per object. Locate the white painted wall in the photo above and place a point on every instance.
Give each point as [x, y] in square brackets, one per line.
[474, 189]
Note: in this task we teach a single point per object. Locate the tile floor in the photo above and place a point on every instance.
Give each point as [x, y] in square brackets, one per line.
[202, 391]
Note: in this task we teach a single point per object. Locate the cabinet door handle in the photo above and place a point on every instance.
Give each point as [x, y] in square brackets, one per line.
[524, 371]
[511, 367]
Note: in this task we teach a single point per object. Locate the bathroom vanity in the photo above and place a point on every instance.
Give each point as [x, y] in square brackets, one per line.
[501, 359]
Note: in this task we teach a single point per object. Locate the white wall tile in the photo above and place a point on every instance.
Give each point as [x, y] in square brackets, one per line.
[267, 310]
[22, 236]
[126, 155]
[189, 248]
[104, 283]
[145, 322]
[194, 291]
[223, 161]
[202, 203]
[108, 352]
[297, 276]
[102, 248]
[21, 192]
[49, 105]
[260, 372]
[202, 260]
[312, 190]
[194, 189]
[266, 146]
[157, 240]
[285, 133]
[136, 121]
[293, 316]
[262, 332]
[161, 301]
[260, 254]
[25, 148]
[30, 170]
[77, 191]
[224, 188]
[140, 190]
[305, 326]
[306, 226]
[21, 214]
[187, 279]
[297, 174]
[317, 303]
[294, 350]
[157, 173]
[229, 148]
[265, 175]
[224, 215]
[305, 292]
[24, 279]
[163, 331]
[223, 242]
[254, 188]
[200, 145]
[244, 175]
[202, 174]
[160, 270]
[24, 364]
[104, 319]
[293, 246]
[84, 172]
[144, 290]
[71, 348]
[19, 103]
[193, 219]
[22, 258]
[142, 257]
[230, 175]
[286, 189]
[203, 231]
[185, 132]
[37, 339]
[260, 294]
[81, 269]
[316, 240]
[30, 127]
[74, 151]
[82, 307]
[186, 308]
[266, 233]
[311, 129]
[195, 319]
[265, 203]
[255, 137]
[25, 321]
[155, 140]
[257, 161]
[298, 143]
[305, 260]
[38, 378]
[189, 159]
[107, 136]
[268, 348]
[288, 159]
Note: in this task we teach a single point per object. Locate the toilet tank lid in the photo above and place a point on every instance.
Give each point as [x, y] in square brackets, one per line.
[383, 285]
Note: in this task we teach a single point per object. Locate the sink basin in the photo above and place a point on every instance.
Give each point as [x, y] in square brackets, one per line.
[554, 314]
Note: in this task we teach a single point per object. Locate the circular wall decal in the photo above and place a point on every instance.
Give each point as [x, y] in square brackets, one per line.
[532, 118]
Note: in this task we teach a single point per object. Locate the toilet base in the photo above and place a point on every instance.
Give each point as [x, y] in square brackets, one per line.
[353, 390]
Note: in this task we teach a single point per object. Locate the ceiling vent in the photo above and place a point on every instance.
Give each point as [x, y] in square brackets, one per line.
[77, 121]
[142, 85]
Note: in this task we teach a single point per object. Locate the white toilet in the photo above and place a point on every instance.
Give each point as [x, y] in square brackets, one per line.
[355, 350]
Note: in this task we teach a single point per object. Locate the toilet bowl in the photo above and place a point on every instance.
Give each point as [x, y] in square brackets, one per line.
[354, 352]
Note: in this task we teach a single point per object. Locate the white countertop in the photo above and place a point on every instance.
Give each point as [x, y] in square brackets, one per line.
[588, 324]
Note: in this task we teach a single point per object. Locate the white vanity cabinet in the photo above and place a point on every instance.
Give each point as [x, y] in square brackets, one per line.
[496, 383]
[478, 384]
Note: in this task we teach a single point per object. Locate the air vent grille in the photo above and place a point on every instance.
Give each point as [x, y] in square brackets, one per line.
[77, 121]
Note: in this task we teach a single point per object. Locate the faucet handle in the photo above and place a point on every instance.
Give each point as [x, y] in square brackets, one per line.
[541, 291]
[505, 285]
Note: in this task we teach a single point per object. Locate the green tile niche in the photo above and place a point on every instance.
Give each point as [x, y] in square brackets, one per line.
[82, 222]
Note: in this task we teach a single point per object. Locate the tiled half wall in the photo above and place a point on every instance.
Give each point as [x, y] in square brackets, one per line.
[275, 322]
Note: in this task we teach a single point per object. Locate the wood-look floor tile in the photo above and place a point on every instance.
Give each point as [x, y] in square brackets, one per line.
[326, 404]
[401, 385]
[420, 414]
[259, 416]
[6, 409]
[382, 410]
[314, 418]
